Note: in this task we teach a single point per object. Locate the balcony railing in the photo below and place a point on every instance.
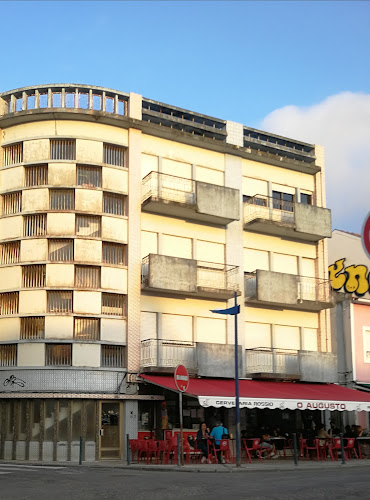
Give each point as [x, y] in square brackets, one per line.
[168, 188]
[66, 96]
[168, 354]
[314, 289]
[266, 360]
[210, 276]
[268, 208]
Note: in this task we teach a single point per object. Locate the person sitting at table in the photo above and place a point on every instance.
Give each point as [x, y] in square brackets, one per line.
[217, 432]
[322, 435]
[201, 439]
[349, 433]
[267, 445]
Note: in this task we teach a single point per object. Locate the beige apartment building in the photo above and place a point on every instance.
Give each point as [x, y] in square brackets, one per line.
[124, 222]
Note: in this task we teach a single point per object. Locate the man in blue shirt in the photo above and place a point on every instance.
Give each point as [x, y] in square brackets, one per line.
[217, 433]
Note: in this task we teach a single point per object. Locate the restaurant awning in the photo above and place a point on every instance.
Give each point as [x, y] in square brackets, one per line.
[268, 394]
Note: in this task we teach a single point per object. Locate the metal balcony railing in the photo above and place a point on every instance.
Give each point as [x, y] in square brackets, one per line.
[268, 208]
[210, 275]
[168, 188]
[66, 96]
[168, 354]
[308, 288]
[270, 360]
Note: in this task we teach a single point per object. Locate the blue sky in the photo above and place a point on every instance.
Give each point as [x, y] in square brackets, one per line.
[233, 60]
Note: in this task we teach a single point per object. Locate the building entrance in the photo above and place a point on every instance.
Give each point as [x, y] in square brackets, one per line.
[110, 445]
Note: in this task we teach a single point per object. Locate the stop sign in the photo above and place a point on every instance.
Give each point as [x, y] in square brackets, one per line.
[181, 376]
[365, 235]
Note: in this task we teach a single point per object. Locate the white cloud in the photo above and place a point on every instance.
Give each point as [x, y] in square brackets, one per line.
[341, 123]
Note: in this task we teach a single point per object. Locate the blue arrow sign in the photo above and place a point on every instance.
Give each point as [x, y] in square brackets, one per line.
[231, 310]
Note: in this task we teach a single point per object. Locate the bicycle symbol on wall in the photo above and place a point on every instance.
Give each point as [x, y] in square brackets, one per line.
[13, 380]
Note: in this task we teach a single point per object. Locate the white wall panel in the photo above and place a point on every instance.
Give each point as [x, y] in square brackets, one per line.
[257, 335]
[211, 330]
[177, 327]
[255, 259]
[176, 246]
[286, 337]
[285, 263]
[148, 325]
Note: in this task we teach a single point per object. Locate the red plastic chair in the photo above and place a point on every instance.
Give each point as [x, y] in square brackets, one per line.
[142, 449]
[334, 447]
[212, 452]
[134, 446]
[171, 449]
[162, 447]
[152, 449]
[225, 449]
[314, 447]
[255, 447]
[349, 448]
[302, 448]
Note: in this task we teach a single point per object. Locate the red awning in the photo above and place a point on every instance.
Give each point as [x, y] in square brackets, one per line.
[267, 394]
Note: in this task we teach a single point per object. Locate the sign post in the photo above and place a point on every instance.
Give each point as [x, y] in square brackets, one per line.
[181, 376]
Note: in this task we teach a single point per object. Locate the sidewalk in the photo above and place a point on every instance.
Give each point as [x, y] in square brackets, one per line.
[271, 465]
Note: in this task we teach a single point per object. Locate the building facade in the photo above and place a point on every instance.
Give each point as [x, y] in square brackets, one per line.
[349, 274]
[124, 222]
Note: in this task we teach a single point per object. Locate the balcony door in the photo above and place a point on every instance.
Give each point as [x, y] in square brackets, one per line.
[110, 434]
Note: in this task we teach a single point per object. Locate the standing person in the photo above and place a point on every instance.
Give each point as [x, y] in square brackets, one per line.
[202, 438]
[217, 433]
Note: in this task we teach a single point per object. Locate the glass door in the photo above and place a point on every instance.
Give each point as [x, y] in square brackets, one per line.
[110, 443]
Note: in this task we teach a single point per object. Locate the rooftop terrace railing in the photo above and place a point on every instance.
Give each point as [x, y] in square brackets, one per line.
[66, 96]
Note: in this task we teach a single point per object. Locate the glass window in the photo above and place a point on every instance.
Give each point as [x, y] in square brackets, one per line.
[86, 328]
[12, 203]
[62, 199]
[58, 355]
[13, 154]
[87, 277]
[114, 204]
[49, 417]
[10, 252]
[61, 250]
[35, 413]
[33, 327]
[76, 419]
[88, 176]
[34, 225]
[283, 201]
[88, 225]
[36, 176]
[9, 303]
[63, 417]
[112, 356]
[59, 302]
[114, 155]
[33, 276]
[90, 420]
[62, 149]
[113, 304]
[8, 355]
[113, 253]
[306, 199]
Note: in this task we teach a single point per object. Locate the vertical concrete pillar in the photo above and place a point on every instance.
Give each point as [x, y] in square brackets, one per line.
[3, 107]
[130, 422]
[234, 249]
[134, 239]
[50, 99]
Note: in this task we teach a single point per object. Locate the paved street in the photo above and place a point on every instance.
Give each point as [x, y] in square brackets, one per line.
[21, 482]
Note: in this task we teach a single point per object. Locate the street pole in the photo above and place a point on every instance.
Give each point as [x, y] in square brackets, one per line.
[237, 409]
[181, 431]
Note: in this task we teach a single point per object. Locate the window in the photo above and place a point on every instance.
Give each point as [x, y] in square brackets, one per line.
[114, 204]
[112, 304]
[62, 149]
[114, 155]
[10, 252]
[61, 250]
[306, 199]
[34, 225]
[283, 201]
[89, 176]
[86, 329]
[255, 200]
[113, 253]
[9, 303]
[13, 154]
[59, 302]
[33, 327]
[62, 199]
[12, 203]
[87, 277]
[112, 356]
[58, 355]
[88, 225]
[33, 276]
[36, 176]
[8, 355]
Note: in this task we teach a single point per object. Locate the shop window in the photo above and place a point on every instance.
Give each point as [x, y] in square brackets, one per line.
[60, 302]
[87, 277]
[33, 276]
[61, 250]
[114, 204]
[34, 225]
[63, 417]
[112, 356]
[114, 155]
[112, 304]
[58, 355]
[8, 355]
[35, 417]
[88, 225]
[49, 419]
[113, 253]
[62, 149]
[13, 154]
[33, 327]
[9, 303]
[10, 252]
[62, 199]
[88, 176]
[86, 329]
[36, 176]
[12, 203]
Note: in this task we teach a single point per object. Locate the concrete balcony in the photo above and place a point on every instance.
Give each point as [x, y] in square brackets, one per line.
[200, 358]
[288, 290]
[267, 215]
[289, 364]
[161, 273]
[169, 195]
